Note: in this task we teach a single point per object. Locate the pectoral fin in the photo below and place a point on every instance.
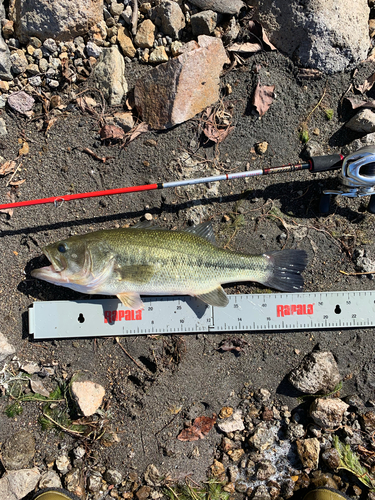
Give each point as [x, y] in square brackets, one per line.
[135, 274]
[216, 297]
[131, 300]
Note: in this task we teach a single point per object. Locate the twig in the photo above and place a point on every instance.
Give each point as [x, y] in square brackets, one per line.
[76, 433]
[130, 357]
[14, 173]
[356, 274]
[135, 17]
[316, 106]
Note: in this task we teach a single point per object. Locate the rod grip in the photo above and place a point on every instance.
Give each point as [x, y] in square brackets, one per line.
[323, 163]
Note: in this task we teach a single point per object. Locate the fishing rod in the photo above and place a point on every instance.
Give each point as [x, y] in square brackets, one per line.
[357, 179]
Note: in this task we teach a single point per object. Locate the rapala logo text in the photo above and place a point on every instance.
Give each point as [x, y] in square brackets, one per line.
[112, 316]
[289, 310]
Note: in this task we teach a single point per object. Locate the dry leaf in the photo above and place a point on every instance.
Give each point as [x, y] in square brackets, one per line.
[257, 30]
[86, 104]
[139, 129]
[8, 167]
[200, 428]
[358, 102]
[366, 85]
[38, 388]
[263, 97]
[50, 122]
[217, 124]
[17, 183]
[11, 199]
[234, 344]
[55, 101]
[244, 47]
[111, 132]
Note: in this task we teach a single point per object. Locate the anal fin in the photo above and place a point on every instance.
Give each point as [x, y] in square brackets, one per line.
[131, 300]
[216, 297]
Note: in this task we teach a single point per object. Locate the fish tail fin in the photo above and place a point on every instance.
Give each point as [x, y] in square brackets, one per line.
[285, 270]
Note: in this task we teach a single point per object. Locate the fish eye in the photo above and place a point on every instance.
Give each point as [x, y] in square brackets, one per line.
[61, 248]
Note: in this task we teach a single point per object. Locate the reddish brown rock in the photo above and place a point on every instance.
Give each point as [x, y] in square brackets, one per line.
[179, 89]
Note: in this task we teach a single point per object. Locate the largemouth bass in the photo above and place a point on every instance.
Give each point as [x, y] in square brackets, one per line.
[130, 262]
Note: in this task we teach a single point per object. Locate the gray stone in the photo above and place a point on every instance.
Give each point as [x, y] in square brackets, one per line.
[169, 16]
[152, 476]
[322, 34]
[18, 450]
[94, 481]
[223, 6]
[63, 464]
[203, 23]
[295, 431]
[113, 476]
[265, 470]
[318, 372]
[6, 349]
[328, 412]
[35, 81]
[262, 438]
[93, 50]
[109, 74]
[5, 62]
[60, 19]
[15, 485]
[50, 45]
[50, 479]
[363, 122]
[18, 61]
[261, 493]
[3, 131]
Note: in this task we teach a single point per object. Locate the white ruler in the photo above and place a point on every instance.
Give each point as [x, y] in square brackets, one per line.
[244, 313]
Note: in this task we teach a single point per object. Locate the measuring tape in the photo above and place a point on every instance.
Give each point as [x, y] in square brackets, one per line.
[165, 315]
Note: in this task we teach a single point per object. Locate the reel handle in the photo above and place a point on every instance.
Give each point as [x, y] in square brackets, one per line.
[324, 163]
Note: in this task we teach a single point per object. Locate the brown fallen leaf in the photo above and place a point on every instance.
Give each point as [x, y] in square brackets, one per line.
[198, 430]
[233, 344]
[263, 97]
[86, 104]
[139, 129]
[257, 30]
[17, 183]
[366, 85]
[50, 122]
[111, 132]
[217, 124]
[8, 167]
[358, 102]
[11, 195]
[246, 47]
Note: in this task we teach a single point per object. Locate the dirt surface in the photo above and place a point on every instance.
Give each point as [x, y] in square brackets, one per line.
[187, 371]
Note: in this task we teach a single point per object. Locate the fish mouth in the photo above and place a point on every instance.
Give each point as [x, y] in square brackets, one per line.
[51, 273]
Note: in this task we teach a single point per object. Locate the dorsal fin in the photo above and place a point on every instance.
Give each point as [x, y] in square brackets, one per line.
[203, 230]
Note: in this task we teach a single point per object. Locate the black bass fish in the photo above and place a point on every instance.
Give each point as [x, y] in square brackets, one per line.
[129, 262]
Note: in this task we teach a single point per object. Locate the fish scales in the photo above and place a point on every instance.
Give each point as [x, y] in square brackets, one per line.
[182, 261]
[128, 262]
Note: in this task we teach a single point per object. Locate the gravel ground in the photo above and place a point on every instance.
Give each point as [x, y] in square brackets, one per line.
[188, 371]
